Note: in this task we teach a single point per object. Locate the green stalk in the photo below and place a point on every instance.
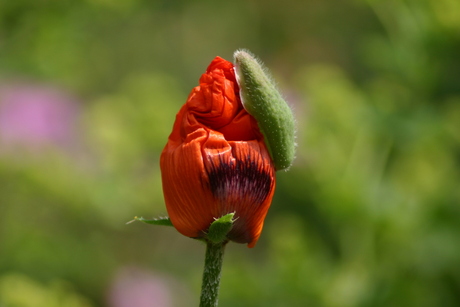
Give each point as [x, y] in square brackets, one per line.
[211, 274]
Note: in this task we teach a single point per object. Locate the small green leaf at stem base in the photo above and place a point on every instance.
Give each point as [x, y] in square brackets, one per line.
[162, 221]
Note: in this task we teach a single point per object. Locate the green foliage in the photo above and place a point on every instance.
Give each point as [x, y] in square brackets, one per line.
[367, 216]
[20, 290]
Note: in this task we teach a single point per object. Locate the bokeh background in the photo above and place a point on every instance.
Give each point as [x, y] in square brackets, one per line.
[369, 215]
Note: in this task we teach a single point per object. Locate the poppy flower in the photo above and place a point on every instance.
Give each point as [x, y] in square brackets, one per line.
[216, 161]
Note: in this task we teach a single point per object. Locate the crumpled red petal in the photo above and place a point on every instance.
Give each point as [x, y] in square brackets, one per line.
[215, 161]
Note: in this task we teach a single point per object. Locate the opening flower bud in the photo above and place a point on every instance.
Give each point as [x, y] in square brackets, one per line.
[216, 162]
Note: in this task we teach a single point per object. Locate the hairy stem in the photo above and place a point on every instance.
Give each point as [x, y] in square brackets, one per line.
[211, 274]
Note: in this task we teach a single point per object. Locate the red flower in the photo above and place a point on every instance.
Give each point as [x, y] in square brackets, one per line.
[216, 162]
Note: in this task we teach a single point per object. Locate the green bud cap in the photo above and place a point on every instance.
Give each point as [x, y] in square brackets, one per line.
[219, 229]
[264, 102]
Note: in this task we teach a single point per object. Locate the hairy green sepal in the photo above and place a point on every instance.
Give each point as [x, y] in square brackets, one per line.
[219, 229]
[264, 102]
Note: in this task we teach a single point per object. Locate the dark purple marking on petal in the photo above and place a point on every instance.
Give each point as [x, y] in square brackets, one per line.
[241, 181]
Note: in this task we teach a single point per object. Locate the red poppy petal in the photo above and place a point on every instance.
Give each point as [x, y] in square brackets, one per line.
[187, 197]
[215, 161]
[242, 180]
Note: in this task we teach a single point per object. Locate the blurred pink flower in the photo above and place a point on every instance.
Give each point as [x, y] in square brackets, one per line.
[33, 115]
[135, 287]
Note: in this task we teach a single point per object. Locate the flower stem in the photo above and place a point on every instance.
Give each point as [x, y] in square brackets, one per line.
[211, 274]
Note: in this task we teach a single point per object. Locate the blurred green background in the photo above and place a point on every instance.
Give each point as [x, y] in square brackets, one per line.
[369, 215]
